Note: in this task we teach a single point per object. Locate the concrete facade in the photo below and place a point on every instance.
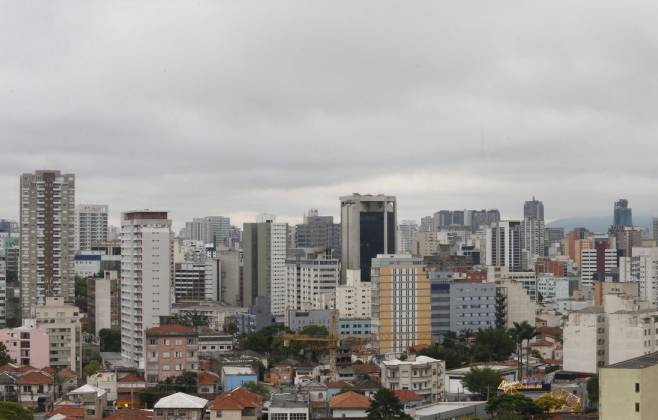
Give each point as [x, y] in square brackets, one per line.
[421, 374]
[627, 389]
[62, 323]
[90, 226]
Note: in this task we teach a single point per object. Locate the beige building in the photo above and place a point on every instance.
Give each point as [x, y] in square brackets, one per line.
[425, 243]
[62, 323]
[354, 299]
[627, 389]
[47, 245]
[401, 306]
[421, 374]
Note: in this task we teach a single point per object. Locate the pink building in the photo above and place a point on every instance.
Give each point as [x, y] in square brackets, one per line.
[27, 345]
[170, 351]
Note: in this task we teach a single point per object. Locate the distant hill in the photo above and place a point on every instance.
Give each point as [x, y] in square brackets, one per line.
[597, 223]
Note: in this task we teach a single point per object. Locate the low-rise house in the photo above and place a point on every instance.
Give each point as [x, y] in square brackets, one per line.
[106, 381]
[423, 375]
[365, 370]
[306, 372]
[283, 372]
[284, 409]
[349, 404]
[35, 390]
[9, 386]
[170, 351]
[208, 384]
[368, 387]
[180, 406]
[128, 389]
[67, 412]
[235, 376]
[334, 388]
[131, 414]
[239, 404]
[91, 398]
[67, 381]
[212, 342]
[408, 398]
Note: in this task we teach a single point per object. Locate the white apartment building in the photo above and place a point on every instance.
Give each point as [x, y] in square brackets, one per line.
[307, 279]
[90, 225]
[62, 323]
[552, 288]
[621, 329]
[588, 263]
[533, 241]
[644, 269]
[354, 299]
[146, 289]
[504, 244]
[210, 229]
[3, 288]
[47, 238]
[278, 269]
[421, 374]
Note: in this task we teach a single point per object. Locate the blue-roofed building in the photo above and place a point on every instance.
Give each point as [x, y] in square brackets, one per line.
[235, 376]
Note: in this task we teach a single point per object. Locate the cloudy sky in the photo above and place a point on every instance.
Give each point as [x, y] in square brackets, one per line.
[241, 107]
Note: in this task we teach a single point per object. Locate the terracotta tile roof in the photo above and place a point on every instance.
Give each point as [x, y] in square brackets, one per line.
[131, 377]
[238, 399]
[552, 331]
[130, 414]
[541, 343]
[25, 368]
[9, 368]
[205, 377]
[67, 373]
[338, 385]
[351, 400]
[172, 329]
[69, 411]
[49, 370]
[365, 369]
[407, 395]
[35, 378]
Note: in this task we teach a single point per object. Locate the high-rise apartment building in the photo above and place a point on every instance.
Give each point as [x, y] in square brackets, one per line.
[90, 226]
[644, 269]
[367, 229]
[319, 233]
[146, 278]
[623, 215]
[426, 224]
[597, 262]
[197, 281]
[401, 303]
[47, 235]
[504, 245]
[308, 279]
[354, 298]
[265, 250]
[533, 210]
[406, 235]
[210, 229]
[533, 242]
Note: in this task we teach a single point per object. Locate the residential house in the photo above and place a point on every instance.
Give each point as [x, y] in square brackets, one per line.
[333, 388]
[306, 372]
[128, 389]
[131, 414]
[209, 384]
[106, 381]
[9, 386]
[284, 409]
[349, 404]
[180, 406]
[421, 374]
[66, 381]
[408, 398]
[239, 404]
[91, 398]
[170, 351]
[235, 376]
[35, 390]
[283, 373]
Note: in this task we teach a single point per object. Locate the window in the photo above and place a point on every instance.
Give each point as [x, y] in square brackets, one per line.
[637, 407]
[153, 341]
[297, 416]
[637, 387]
[165, 367]
[279, 416]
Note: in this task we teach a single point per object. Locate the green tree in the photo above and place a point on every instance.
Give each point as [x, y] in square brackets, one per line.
[231, 327]
[454, 357]
[187, 382]
[81, 293]
[506, 406]
[593, 389]
[482, 381]
[315, 331]
[110, 340]
[192, 319]
[549, 403]
[492, 344]
[386, 406]
[257, 341]
[92, 367]
[257, 388]
[4, 356]
[14, 411]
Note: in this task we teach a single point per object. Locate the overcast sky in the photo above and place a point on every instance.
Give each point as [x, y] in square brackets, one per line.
[238, 107]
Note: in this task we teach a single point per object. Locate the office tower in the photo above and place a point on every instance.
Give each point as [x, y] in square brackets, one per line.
[533, 242]
[401, 303]
[319, 233]
[626, 238]
[623, 215]
[90, 226]
[427, 224]
[533, 210]
[597, 262]
[146, 278]
[308, 278]
[47, 238]
[406, 234]
[442, 218]
[265, 250]
[197, 281]
[210, 229]
[367, 229]
[503, 243]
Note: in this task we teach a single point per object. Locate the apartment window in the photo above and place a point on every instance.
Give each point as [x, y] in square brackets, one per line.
[637, 387]
[153, 341]
[637, 407]
[297, 416]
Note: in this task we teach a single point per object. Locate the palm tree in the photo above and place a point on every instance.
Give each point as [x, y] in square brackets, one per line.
[528, 333]
[516, 332]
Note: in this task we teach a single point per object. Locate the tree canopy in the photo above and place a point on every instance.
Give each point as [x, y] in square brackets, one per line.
[92, 367]
[4, 356]
[12, 410]
[482, 381]
[110, 340]
[386, 406]
[492, 344]
[258, 388]
[506, 406]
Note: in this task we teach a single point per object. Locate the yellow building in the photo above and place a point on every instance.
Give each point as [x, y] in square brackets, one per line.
[401, 303]
[627, 389]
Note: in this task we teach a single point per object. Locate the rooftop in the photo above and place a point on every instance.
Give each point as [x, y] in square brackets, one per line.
[350, 400]
[637, 363]
[445, 407]
[237, 370]
[88, 389]
[181, 400]
[420, 360]
[238, 399]
[171, 329]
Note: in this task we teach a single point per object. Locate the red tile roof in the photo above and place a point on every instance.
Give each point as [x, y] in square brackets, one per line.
[35, 378]
[9, 368]
[338, 385]
[67, 373]
[365, 369]
[350, 400]
[69, 411]
[407, 395]
[131, 414]
[131, 377]
[172, 329]
[205, 377]
[25, 368]
[237, 400]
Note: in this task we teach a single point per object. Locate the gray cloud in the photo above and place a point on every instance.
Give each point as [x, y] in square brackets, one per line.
[220, 107]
